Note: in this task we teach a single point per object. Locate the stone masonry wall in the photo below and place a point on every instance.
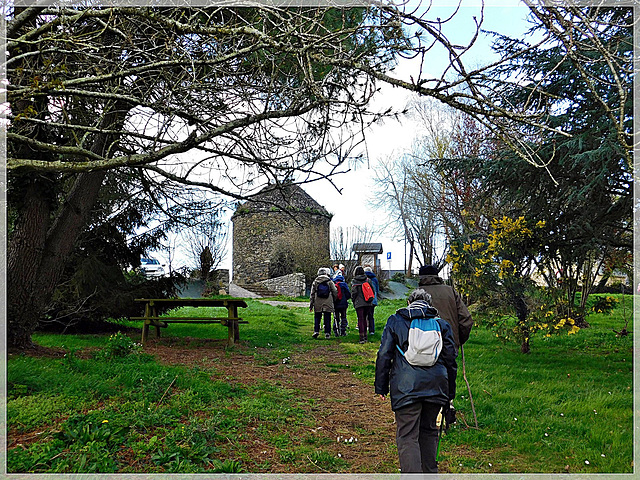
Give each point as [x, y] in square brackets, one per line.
[257, 234]
[220, 279]
[292, 285]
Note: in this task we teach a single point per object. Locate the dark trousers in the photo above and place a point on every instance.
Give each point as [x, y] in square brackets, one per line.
[363, 321]
[327, 321]
[341, 320]
[372, 322]
[417, 437]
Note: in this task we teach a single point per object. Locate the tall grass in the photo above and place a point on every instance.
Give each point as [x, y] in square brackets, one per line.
[565, 407]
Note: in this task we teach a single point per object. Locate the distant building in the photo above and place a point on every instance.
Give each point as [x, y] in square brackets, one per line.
[280, 231]
[368, 254]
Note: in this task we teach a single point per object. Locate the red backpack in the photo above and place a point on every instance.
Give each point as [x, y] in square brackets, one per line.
[367, 292]
[339, 287]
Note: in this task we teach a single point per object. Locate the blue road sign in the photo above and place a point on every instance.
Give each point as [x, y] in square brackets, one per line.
[388, 255]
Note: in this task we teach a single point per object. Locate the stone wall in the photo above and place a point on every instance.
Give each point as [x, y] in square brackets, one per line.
[220, 279]
[257, 235]
[292, 285]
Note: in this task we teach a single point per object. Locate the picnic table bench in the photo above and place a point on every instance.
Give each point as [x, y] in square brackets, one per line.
[154, 306]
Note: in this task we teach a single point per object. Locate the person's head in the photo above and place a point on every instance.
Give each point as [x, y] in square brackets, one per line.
[336, 267]
[419, 294]
[368, 269]
[359, 271]
[341, 267]
[428, 270]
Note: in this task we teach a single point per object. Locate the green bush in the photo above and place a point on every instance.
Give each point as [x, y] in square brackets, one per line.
[398, 277]
[119, 345]
[603, 304]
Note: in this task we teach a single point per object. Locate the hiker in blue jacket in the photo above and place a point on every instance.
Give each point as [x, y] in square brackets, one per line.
[341, 304]
[417, 393]
[368, 271]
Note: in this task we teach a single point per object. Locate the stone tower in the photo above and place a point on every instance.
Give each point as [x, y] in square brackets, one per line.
[281, 230]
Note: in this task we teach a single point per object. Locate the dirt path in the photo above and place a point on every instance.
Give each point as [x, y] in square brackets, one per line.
[351, 421]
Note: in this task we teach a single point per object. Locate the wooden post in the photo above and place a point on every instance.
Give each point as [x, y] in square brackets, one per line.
[233, 311]
[232, 324]
[145, 326]
[154, 309]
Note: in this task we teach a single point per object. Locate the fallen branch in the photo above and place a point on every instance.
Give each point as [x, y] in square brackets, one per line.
[314, 463]
[165, 392]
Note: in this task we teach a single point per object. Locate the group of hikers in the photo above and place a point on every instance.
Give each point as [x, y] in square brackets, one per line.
[330, 294]
[416, 362]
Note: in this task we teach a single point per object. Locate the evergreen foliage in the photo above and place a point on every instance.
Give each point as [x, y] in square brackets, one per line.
[583, 188]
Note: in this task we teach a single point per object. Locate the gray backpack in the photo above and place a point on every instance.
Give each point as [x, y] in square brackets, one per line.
[425, 342]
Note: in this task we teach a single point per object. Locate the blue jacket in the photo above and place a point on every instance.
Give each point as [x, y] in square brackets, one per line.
[376, 286]
[407, 383]
[346, 293]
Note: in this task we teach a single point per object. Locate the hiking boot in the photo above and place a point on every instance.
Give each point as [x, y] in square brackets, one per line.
[315, 334]
[327, 336]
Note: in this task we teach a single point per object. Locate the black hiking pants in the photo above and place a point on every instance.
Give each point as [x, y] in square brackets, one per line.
[326, 316]
[341, 321]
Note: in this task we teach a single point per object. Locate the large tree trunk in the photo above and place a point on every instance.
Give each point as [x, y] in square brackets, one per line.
[37, 255]
[38, 250]
[24, 257]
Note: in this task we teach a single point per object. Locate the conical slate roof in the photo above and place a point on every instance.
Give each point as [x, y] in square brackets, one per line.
[288, 197]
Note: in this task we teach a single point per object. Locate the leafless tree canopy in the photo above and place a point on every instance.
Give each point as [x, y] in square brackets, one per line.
[205, 243]
[261, 88]
[427, 206]
[342, 241]
[241, 90]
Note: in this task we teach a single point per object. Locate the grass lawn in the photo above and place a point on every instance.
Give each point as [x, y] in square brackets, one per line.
[565, 407]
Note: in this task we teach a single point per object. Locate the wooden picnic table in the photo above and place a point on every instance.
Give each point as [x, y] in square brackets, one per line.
[153, 307]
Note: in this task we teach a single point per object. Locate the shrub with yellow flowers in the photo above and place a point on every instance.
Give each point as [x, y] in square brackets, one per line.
[494, 269]
[604, 304]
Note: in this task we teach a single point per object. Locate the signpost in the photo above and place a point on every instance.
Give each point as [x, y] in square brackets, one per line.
[389, 260]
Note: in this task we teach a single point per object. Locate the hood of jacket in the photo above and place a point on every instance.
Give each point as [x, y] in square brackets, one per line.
[430, 280]
[370, 274]
[360, 278]
[418, 309]
[322, 278]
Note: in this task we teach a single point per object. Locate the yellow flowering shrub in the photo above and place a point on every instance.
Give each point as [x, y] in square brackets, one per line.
[603, 304]
[494, 269]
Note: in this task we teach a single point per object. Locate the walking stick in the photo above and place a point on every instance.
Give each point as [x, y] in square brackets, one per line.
[440, 434]
[464, 375]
